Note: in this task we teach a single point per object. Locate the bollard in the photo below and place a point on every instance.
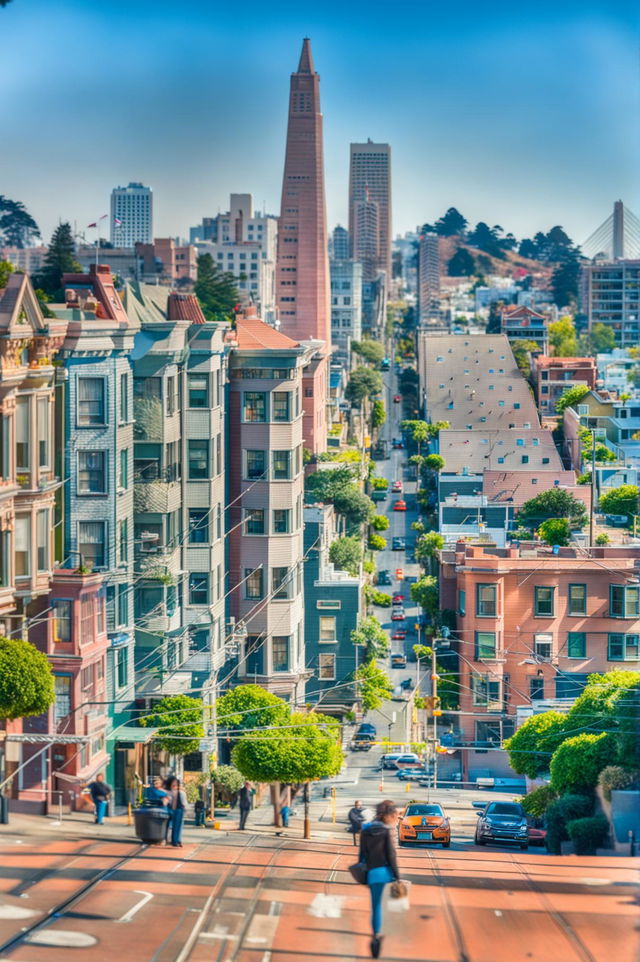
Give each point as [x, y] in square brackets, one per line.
[60, 807]
[408, 787]
[381, 786]
[129, 815]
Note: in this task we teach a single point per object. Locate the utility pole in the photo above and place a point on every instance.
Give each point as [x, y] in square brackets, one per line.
[592, 520]
[434, 695]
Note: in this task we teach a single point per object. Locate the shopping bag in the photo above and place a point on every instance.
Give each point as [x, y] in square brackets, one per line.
[399, 896]
[359, 872]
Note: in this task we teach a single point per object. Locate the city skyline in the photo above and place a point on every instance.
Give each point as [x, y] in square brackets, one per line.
[501, 141]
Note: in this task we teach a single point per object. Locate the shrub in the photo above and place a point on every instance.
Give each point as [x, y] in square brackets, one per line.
[369, 567]
[537, 802]
[379, 598]
[602, 538]
[380, 522]
[379, 484]
[560, 813]
[613, 778]
[377, 542]
[577, 762]
[588, 834]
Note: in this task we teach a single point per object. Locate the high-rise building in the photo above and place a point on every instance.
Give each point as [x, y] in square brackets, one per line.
[131, 215]
[429, 280]
[611, 296]
[339, 244]
[302, 272]
[370, 207]
[346, 304]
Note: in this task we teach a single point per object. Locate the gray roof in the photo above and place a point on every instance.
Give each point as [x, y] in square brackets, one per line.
[479, 451]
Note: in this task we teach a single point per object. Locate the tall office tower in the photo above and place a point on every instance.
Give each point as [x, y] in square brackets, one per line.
[610, 294]
[302, 269]
[429, 279]
[370, 207]
[131, 215]
[339, 244]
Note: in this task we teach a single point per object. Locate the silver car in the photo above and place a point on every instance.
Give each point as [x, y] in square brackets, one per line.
[502, 822]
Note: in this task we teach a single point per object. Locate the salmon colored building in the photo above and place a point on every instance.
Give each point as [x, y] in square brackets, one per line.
[533, 625]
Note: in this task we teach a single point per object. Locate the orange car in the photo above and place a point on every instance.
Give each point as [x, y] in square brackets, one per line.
[424, 822]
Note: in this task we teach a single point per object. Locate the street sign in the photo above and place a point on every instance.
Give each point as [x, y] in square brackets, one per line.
[207, 745]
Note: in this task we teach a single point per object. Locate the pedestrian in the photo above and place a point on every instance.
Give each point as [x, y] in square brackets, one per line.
[155, 793]
[285, 806]
[199, 811]
[100, 795]
[378, 854]
[356, 818]
[244, 801]
[177, 805]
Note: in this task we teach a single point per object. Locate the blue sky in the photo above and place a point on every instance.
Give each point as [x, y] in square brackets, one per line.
[524, 115]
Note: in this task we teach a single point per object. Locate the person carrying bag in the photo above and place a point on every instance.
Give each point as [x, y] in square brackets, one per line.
[377, 864]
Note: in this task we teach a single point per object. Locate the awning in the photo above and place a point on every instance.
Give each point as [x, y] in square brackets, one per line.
[135, 735]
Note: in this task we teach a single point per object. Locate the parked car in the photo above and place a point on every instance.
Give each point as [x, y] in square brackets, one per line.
[400, 506]
[389, 760]
[423, 823]
[502, 822]
[536, 831]
[385, 364]
[380, 494]
[383, 577]
[399, 634]
[367, 727]
[398, 599]
[398, 544]
[397, 614]
[363, 742]
[406, 774]
[396, 399]
[397, 443]
[399, 571]
[409, 760]
[398, 660]
[396, 486]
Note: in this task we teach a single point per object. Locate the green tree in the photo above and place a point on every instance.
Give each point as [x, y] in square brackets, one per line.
[363, 383]
[179, 720]
[60, 259]
[531, 747]
[611, 703]
[521, 352]
[462, 264]
[451, 223]
[554, 503]
[17, 226]
[424, 592]
[378, 414]
[434, 462]
[373, 685]
[227, 778]
[346, 553]
[418, 432]
[326, 485]
[216, 290]
[555, 531]
[486, 239]
[427, 546]
[5, 270]
[26, 680]
[380, 522]
[564, 280]
[371, 636]
[354, 505]
[577, 762]
[376, 542]
[494, 321]
[602, 337]
[249, 707]
[371, 351]
[570, 398]
[562, 337]
[621, 500]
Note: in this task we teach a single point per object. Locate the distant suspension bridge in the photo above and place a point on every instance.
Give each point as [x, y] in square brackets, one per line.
[616, 238]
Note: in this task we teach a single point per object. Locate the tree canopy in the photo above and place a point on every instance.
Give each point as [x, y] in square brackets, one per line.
[554, 503]
[621, 500]
[5, 270]
[60, 259]
[462, 264]
[373, 685]
[250, 706]
[424, 592]
[555, 531]
[451, 223]
[602, 338]
[378, 414]
[216, 290]
[370, 635]
[307, 749]
[372, 351]
[179, 720]
[346, 553]
[17, 226]
[562, 338]
[363, 383]
[26, 680]
[571, 397]
[531, 747]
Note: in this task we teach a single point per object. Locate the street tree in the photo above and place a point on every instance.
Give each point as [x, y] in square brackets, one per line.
[363, 383]
[378, 414]
[179, 720]
[571, 397]
[247, 707]
[620, 500]
[370, 636]
[356, 506]
[562, 337]
[373, 685]
[60, 259]
[17, 226]
[531, 747]
[427, 547]
[555, 531]
[371, 351]
[602, 337]
[578, 761]
[554, 503]
[346, 553]
[380, 522]
[424, 592]
[434, 462]
[376, 542]
[26, 680]
[216, 290]
[326, 485]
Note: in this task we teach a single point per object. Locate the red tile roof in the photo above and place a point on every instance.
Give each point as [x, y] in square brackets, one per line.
[517, 487]
[519, 310]
[185, 307]
[253, 334]
[543, 360]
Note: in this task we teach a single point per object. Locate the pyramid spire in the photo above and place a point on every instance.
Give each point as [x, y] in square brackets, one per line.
[306, 60]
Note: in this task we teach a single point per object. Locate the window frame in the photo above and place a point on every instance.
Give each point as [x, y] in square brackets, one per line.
[201, 525]
[480, 646]
[192, 460]
[570, 607]
[482, 586]
[327, 666]
[572, 637]
[249, 574]
[204, 391]
[333, 640]
[285, 664]
[65, 619]
[250, 518]
[260, 401]
[624, 645]
[634, 590]
[552, 597]
[264, 475]
[100, 419]
[203, 586]
[87, 471]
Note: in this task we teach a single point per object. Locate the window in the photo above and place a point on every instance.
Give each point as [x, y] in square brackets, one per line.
[280, 653]
[253, 589]
[62, 687]
[198, 452]
[122, 667]
[124, 398]
[281, 465]
[22, 434]
[100, 627]
[198, 390]
[624, 601]
[92, 475]
[147, 600]
[577, 644]
[172, 461]
[281, 521]
[485, 693]
[327, 667]
[23, 546]
[577, 599]
[5, 447]
[62, 621]
[123, 540]
[543, 645]
[329, 604]
[281, 583]
[255, 406]
[536, 688]
[256, 465]
[43, 432]
[623, 648]
[91, 406]
[124, 469]
[42, 538]
[91, 543]
[198, 526]
[171, 396]
[485, 645]
[122, 607]
[281, 405]
[198, 588]
[254, 656]
[486, 600]
[254, 520]
[462, 602]
[327, 630]
[543, 601]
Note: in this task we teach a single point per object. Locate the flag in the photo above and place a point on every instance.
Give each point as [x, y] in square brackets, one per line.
[117, 222]
[96, 222]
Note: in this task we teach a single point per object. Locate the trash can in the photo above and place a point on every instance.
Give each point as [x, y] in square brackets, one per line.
[4, 809]
[151, 823]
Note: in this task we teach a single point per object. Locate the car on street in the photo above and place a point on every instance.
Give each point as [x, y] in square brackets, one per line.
[409, 760]
[398, 599]
[407, 684]
[380, 494]
[502, 822]
[398, 660]
[397, 443]
[396, 486]
[397, 613]
[400, 505]
[399, 634]
[398, 544]
[396, 399]
[385, 364]
[407, 774]
[389, 760]
[423, 823]
[383, 577]
[363, 742]
[399, 574]
[368, 728]
[536, 831]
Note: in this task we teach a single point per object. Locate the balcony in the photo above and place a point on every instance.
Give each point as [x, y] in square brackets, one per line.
[157, 496]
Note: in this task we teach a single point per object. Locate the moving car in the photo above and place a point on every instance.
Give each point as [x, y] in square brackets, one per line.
[384, 578]
[396, 399]
[502, 822]
[423, 823]
[409, 760]
[363, 742]
[367, 727]
[400, 506]
[398, 544]
[397, 613]
[398, 599]
[397, 443]
[385, 364]
[399, 635]
[396, 486]
[398, 660]
[389, 760]
[407, 774]
[536, 831]
[399, 571]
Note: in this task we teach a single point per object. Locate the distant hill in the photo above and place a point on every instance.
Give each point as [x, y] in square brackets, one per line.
[510, 265]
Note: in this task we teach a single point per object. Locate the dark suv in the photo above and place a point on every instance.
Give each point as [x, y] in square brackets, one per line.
[502, 822]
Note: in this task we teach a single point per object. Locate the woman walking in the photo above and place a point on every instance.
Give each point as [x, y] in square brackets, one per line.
[177, 805]
[378, 854]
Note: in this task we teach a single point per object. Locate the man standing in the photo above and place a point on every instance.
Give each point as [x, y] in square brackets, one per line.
[356, 818]
[244, 803]
[100, 794]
